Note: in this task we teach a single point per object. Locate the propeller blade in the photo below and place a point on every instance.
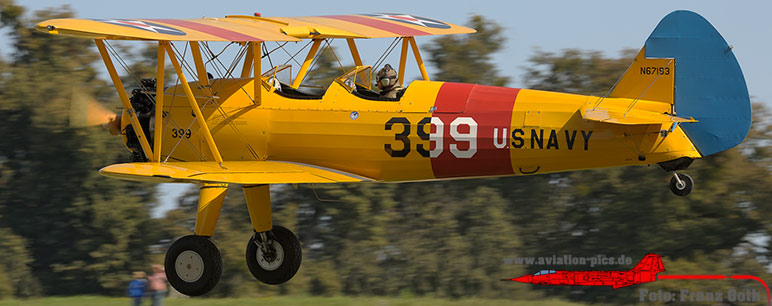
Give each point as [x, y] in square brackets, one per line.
[85, 111]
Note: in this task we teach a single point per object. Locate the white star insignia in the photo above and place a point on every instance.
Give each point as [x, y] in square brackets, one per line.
[137, 24]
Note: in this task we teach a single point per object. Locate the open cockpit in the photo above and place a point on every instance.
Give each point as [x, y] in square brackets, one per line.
[322, 68]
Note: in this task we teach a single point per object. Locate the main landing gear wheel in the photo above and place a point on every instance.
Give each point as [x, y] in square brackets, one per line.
[274, 257]
[681, 184]
[193, 265]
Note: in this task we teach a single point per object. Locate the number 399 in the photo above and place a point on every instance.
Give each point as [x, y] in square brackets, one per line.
[435, 137]
[180, 133]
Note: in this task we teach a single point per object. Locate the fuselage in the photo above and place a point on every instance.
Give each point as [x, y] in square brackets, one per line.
[435, 130]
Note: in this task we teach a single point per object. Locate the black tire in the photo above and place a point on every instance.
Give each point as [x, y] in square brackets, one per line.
[285, 265]
[683, 190]
[193, 265]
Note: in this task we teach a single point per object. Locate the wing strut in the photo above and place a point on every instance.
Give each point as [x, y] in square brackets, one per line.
[307, 63]
[195, 50]
[124, 99]
[403, 59]
[196, 109]
[418, 59]
[247, 67]
[258, 78]
[354, 51]
[159, 100]
[402, 62]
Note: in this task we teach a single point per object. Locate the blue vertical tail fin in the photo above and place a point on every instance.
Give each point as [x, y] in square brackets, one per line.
[709, 84]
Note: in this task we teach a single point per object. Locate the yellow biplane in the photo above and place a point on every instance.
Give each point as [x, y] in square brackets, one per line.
[684, 97]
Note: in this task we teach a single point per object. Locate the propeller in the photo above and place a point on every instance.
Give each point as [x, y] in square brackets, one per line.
[85, 111]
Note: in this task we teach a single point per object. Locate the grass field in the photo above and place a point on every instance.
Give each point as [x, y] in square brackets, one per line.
[291, 301]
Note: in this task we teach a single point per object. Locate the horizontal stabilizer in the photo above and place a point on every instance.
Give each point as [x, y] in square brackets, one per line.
[235, 172]
[631, 117]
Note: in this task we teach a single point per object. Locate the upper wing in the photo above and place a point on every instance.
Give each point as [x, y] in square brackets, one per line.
[202, 29]
[631, 117]
[249, 28]
[236, 172]
[375, 25]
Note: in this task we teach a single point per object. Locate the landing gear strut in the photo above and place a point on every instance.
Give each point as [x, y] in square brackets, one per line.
[681, 184]
[194, 264]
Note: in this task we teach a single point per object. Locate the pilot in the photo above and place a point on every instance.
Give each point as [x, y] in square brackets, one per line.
[386, 80]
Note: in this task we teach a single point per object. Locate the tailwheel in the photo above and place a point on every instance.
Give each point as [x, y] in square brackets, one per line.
[274, 257]
[681, 184]
[193, 265]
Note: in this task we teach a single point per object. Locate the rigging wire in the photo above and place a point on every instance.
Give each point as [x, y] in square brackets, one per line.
[332, 50]
[114, 53]
[174, 95]
[292, 56]
[645, 90]
[386, 53]
[229, 70]
[221, 112]
[220, 53]
[274, 49]
[236, 130]
[210, 56]
[314, 62]
[267, 54]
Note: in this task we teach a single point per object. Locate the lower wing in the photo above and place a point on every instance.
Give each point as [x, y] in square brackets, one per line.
[235, 172]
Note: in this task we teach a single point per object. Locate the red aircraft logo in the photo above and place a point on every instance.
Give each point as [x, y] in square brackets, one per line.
[645, 271]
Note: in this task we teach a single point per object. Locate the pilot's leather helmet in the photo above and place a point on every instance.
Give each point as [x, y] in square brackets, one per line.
[386, 77]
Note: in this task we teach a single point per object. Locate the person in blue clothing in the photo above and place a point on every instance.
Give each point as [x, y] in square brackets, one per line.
[137, 288]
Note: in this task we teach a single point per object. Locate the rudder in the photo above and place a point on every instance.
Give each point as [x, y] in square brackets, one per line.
[709, 84]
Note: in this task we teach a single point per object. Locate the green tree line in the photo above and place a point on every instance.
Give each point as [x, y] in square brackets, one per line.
[69, 231]
[66, 229]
